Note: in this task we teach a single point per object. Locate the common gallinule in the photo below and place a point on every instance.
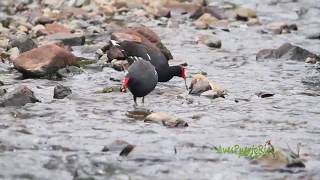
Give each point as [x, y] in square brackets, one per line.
[141, 79]
[154, 56]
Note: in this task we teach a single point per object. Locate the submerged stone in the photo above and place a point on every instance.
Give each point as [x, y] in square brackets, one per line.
[18, 97]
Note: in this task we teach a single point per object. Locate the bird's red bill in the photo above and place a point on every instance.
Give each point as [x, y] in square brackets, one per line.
[183, 72]
[125, 82]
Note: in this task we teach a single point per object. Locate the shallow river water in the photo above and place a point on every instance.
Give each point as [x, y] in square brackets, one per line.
[63, 139]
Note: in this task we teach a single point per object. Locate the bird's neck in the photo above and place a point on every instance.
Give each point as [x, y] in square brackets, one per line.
[175, 71]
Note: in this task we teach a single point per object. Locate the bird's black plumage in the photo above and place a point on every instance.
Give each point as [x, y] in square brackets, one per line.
[154, 56]
[141, 78]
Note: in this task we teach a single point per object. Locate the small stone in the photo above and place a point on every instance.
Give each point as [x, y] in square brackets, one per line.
[213, 94]
[44, 20]
[23, 29]
[201, 84]
[13, 53]
[165, 119]
[56, 28]
[100, 52]
[67, 38]
[243, 14]
[278, 27]
[314, 36]
[119, 65]
[36, 31]
[293, 27]
[18, 97]
[125, 151]
[4, 42]
[23, 44]
[205, 20]
[264, 94]
[2, 92]
[311, 60]
[61, 91]
[105, 90]
[69, 71]
[210, 41]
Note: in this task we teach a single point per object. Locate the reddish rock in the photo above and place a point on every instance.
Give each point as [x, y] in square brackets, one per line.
[143, 35]
[56, 28]
[43, 61]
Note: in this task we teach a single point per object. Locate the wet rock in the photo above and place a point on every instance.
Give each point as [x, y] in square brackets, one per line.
[213, 94]
[23, 44]
[61, 91]
[18, 97]
[106, 90]
[13, 53]
[117, 145]
[314, 36]
[55, 28]
[67, 38]
[125, 151]
[263, 94]
[119, 65]
[43, 61]
[158, 12]
[201, 84]
[139, 113]
[4, 42]
[2, 92]
[205, 21]
[44, 20]
[165, 119]
[281, 27]
[280, 159]
[69, 71]
[244, 14]
[311, 60]
[286, 51]
[214, 11]
[210, 41]
[37, 30]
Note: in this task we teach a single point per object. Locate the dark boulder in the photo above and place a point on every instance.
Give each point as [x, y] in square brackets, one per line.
[61, 92]
[19, 97]
[286, 51]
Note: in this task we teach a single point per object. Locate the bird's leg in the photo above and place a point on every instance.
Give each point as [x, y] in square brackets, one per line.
[143, 100]
[135, 100]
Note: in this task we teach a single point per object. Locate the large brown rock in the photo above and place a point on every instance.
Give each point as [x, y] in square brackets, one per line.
[142, 35]
[43, 61]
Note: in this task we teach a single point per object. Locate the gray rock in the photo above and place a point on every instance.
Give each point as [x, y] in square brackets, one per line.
[211, 41]
[67, 38]
[286, 51]
[314, 36]
[23, 44]
[44, 20]
[19, 97]
[165, 119]
[2, 92]
[69, 71]
[61, 92]
[1, 83]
